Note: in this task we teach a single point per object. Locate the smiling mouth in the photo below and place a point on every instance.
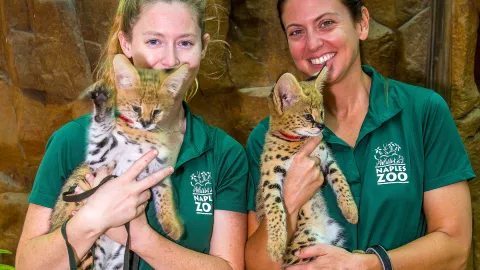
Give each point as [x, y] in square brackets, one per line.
[321, 60]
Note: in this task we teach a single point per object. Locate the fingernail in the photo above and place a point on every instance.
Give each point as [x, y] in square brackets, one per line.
[170, 169]
[88, 175]
[297, 252]
[155, 151]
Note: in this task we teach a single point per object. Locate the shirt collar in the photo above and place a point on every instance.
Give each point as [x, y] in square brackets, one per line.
[384, 104]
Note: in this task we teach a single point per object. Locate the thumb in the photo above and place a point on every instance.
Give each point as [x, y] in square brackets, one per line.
[154, 179]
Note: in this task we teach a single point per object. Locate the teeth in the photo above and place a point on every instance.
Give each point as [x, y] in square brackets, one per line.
[323, 59]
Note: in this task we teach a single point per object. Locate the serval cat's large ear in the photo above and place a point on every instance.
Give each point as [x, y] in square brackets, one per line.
[174, 83]
[321, 78]
[286, 92]
[126, 76]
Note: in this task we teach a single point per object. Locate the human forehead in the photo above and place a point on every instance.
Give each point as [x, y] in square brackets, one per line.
[303, 11]
[168, 19]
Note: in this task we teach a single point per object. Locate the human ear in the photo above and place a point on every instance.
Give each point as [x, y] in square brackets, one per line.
[364, 24]
[205, 40]
[125, 44]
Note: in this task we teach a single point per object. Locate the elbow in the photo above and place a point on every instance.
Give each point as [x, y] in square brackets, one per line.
[461, 260]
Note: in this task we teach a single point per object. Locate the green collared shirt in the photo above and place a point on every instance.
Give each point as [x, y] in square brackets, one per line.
[210, 174]
[408, 144]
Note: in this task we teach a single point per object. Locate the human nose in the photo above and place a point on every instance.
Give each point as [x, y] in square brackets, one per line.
[314, 41]
[169, 59]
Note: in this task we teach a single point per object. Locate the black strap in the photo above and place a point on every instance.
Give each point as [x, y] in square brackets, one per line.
[382, 255]
[69, 197]
[71, 255]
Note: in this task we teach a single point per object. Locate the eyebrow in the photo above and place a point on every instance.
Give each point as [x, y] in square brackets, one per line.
[316, 19]
[153, 33]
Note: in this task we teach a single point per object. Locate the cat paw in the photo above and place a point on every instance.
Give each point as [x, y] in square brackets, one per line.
[100, 94]
[173, 228]
[291, 259]
[349, 210]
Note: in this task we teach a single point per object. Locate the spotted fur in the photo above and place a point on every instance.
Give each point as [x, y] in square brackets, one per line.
[296, 113]
[145, 98]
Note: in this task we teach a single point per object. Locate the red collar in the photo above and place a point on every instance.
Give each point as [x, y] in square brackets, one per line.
[125, 119]
[292, 137]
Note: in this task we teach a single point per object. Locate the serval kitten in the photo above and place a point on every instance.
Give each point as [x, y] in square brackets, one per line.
[144, 100]
[296, 113]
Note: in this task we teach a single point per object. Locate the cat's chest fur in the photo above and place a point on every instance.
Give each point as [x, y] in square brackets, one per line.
[120, 148]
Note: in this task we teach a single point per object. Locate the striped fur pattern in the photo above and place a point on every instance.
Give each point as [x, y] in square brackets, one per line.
[296, 113]
[144, 99]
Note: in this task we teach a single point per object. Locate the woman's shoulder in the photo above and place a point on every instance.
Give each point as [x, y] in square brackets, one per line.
[75, 126]
[415, 95]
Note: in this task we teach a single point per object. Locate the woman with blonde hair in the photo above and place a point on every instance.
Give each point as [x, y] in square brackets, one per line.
[153, 34]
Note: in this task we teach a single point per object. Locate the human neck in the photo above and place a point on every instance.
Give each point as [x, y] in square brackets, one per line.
[351, 94]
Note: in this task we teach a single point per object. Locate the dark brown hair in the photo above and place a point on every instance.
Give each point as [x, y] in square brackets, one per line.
[354, 7]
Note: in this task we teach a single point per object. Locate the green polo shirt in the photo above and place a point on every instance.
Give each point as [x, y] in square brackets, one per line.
[408, 144]
[211, 173]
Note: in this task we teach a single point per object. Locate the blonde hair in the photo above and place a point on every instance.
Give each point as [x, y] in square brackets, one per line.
[127, 15]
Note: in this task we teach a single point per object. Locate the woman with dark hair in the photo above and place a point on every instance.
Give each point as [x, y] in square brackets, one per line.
[397, 144]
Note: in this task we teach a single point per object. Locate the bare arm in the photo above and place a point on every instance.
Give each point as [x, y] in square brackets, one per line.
[449, 232]
[445, 246]
[32, 252]
[226, 246]
[112, 205]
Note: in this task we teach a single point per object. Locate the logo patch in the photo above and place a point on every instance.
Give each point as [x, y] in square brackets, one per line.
[390, 167]
[202, 192]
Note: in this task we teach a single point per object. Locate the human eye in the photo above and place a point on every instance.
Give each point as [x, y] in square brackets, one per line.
[185, 43]
[153, 42]
[326, 23]
[295, 33]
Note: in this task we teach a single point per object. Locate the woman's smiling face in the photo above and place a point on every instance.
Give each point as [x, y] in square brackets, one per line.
[323, 32]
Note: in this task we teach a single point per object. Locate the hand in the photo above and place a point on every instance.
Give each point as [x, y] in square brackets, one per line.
[122, 199]
[330, 257]
[303, 178]
[138, 227]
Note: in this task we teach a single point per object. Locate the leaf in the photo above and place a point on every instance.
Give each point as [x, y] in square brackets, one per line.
[6, 267]
[4, 251]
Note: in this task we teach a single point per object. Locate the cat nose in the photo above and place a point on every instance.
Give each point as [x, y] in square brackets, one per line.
[319, 126]
[145, 123]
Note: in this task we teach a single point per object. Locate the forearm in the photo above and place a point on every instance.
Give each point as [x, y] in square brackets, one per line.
[49, 251]
[161, 253]
[436, 250]
[256, 253]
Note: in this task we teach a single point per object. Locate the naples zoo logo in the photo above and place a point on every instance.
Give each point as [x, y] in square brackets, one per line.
[202, 192]
[390, 167]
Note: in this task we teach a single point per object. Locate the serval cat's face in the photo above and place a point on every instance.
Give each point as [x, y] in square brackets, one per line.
[296, 108]
[147, 96]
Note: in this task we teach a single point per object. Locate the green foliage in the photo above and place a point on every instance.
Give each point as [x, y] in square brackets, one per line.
[4, 266]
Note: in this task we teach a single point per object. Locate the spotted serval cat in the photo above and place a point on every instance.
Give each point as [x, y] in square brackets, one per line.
[144, 99]
[296, 113]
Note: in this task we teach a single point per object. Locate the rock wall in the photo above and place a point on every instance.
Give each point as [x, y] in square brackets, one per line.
[49, 49]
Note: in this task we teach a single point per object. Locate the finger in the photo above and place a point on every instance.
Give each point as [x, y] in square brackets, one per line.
[313, 251]
[78, 190]
[153, 179]
[140, 165]
[144, 196]
[298, 267]
[102, 172]
[90, 179]
[141, 209]
[308, 147]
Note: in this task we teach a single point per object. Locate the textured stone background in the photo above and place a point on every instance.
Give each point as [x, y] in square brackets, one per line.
[49, 49]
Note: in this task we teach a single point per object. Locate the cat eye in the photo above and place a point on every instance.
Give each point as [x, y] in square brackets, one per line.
[137, 109]
[155, 112]
[308, 116]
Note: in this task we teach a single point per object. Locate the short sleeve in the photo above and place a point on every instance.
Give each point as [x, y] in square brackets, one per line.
[254, 149]
[64, 152]
[446, 160]
[231, 187]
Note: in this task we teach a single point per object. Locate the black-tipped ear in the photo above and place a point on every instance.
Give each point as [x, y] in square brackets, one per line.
[175, 81]
[286, 92]
[321, 78]
[126, 76]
